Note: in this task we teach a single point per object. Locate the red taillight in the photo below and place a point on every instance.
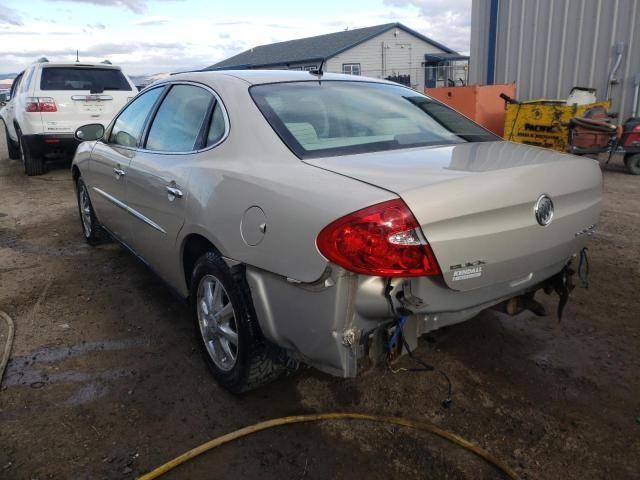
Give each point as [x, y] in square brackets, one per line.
[40, 104]
[382, 240]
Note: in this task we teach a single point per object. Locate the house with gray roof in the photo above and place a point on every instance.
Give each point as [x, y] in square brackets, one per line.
[392, 51]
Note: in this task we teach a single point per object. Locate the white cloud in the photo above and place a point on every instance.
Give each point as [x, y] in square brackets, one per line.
[180, 44]
[151, 21]
[446, 21]
[9, 16]
[136, 6]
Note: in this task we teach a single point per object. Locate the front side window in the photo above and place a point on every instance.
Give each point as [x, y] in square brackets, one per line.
[96, 80]
[351, 68]
[179, 120]
[321, 119]
[128, 127]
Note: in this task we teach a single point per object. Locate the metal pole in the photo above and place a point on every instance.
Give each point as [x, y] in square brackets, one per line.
[619, 49]
[493, 33]
[636, 87]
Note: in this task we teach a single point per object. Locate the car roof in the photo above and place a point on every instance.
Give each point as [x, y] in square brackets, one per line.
[78, 65]
[256, 77]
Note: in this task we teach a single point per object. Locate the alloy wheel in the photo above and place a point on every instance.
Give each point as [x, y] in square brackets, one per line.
[217, 322]
[85, 210]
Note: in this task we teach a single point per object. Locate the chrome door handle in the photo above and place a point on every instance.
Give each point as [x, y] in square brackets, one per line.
[119, 172]
[174, 192]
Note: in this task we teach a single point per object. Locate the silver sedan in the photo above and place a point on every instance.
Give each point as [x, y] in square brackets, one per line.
[328, 219]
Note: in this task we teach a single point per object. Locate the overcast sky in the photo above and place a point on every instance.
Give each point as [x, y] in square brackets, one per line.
[147, 37]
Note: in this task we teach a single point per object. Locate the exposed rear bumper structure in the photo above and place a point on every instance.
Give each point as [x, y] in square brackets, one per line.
[342, 320]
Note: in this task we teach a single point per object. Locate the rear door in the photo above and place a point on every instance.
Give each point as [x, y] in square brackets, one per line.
[83, 94]
[158, 177]
[110, 159]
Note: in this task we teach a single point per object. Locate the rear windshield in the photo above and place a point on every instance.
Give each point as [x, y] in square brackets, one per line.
[96, 80]
[341, 117]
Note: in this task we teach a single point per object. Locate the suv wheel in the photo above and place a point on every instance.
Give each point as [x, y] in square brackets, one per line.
[632, 162]
[230, 336]
[12, 147]
[33, 166]
[91, 229]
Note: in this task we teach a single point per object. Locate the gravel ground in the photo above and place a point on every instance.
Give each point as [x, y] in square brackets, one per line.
[105, 380]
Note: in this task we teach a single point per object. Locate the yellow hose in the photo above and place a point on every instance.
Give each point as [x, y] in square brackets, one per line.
[7, 348]
[427, 427]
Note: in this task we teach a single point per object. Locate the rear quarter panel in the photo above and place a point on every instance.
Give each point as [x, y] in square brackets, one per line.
[252, 167]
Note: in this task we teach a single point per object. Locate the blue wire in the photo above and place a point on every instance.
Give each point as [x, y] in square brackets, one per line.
[394, 338]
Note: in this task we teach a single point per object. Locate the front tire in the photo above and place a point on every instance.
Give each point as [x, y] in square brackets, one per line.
[632, 162]
[91, 229]
[226, 324]
[33, 166]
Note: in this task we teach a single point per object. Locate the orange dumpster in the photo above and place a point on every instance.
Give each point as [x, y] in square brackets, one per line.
[481, 103]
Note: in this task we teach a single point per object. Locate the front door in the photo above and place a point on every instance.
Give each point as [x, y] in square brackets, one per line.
[110, 161]
[158, 176]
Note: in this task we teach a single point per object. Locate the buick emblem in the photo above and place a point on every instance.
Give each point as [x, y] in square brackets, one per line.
[544, 210]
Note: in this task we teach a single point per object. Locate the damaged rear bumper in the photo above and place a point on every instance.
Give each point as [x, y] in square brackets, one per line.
[342, 320]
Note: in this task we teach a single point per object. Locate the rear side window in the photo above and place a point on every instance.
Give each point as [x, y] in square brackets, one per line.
[15, 85]
[180, 118]
[26, 83]
[128, 127]
[96, 80]
[217, 127]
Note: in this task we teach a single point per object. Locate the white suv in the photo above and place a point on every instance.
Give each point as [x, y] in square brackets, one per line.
[49, 101]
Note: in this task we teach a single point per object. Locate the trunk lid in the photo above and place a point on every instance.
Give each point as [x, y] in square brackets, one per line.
[476, 205]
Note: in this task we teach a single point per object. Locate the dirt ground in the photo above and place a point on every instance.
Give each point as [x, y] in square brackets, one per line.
[105, 380]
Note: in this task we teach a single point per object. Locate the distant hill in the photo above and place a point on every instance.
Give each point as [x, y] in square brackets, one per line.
[6, 79]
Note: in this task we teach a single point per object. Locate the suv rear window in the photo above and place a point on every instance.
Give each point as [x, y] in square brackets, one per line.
[322, 119]
[96, 80]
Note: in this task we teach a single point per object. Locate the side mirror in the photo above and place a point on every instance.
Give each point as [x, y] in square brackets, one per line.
[92, 131]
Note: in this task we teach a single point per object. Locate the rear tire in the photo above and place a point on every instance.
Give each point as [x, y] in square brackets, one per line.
[632, 162]
[223, 314]
[33, 166]
[13, 148]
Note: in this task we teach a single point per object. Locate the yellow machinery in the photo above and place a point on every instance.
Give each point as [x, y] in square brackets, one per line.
[543, 123]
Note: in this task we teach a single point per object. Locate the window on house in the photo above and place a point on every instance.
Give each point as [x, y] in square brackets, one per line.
[310, 67]
[351, 68]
